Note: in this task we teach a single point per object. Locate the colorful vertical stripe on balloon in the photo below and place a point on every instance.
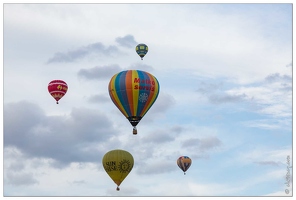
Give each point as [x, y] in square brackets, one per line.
[133, 92]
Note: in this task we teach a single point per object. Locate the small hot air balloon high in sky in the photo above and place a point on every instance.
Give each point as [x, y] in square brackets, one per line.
[118, 164]
[133, 92]
[141, 50]
[184, 162]
[57, 89]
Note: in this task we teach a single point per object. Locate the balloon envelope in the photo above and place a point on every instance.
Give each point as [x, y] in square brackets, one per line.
[133, 92]
[118, 164]
[184, 162]
[141, 50]
[57, 89]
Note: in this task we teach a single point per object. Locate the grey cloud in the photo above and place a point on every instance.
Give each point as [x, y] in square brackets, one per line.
[106, 72]
[100, 98]
[203, 144]
[145, 148]
[286, 87]
[284, 80]
[19, 118]
[209, 143]
[20, 179]
[226, 98]
[206, 88]
[16, 166]
[127, 41]
[66, 139]
[277, 77]
[289, 65]
[216, 95]
[102, 72]
[193, 142]
[163, 102]
[160, 137]
[157, 167]
[177, 129]
[82, 52]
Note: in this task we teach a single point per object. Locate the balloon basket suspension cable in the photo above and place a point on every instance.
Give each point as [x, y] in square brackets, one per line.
[117, 188]
[141, 58]
[184, 173]
[135, 130]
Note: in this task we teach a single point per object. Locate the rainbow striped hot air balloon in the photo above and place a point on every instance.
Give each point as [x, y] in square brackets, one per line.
[133, 92]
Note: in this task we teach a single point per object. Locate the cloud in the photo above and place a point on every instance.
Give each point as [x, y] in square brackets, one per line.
[265, 156]
[82, 52]
[100, 98]
[77, 137]
[160, 137]
[156, 167]
[216, 94]
[276, 77]
[290, 65]
[163, 102]
[20, 179]
[263, 124]
[203, 144]
[107, 71]
[226, 98]
[270, 98]
[16, 166]
[283, 82]
[163, 136]
[127, 41]
[270, 163]
[208, 87]
[99, 72]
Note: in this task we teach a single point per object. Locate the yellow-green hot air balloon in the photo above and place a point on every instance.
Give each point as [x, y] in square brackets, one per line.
[141, 50]
[133, 92]
[184, 162]
[118, 164]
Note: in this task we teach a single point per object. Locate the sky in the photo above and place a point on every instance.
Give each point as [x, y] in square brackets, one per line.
[225, 100]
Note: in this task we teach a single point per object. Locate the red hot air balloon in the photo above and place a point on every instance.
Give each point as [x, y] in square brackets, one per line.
[57, 89]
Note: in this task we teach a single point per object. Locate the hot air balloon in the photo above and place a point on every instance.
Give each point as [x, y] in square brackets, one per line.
[118, 164]
[141, 50]
[133, 92]
[184, 163]
[57, 89]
